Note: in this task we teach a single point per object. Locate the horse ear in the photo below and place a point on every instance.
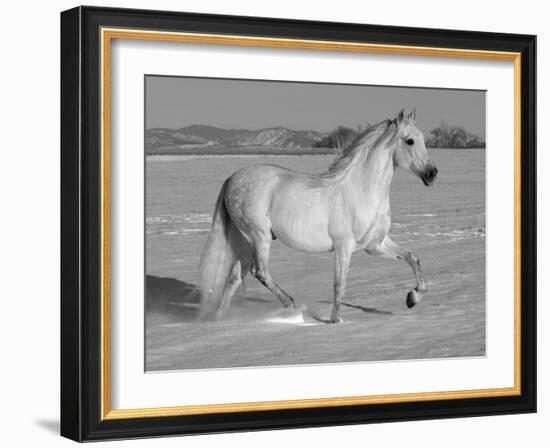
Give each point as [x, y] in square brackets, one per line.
[412, 115]
[400, 116]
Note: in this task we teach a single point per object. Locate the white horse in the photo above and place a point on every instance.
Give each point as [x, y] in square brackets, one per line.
[342, 210]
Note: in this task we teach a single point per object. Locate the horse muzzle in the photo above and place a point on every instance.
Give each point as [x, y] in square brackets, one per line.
[429, 175]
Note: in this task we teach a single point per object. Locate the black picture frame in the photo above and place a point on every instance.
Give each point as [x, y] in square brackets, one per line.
[81, 224]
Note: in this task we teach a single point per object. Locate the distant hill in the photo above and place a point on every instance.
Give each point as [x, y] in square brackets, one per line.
[211, 132]
[169, 137]
[196, 138]
[205, 139]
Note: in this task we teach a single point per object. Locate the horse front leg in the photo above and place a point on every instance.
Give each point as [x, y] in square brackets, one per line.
[388, 248]
[342, 257]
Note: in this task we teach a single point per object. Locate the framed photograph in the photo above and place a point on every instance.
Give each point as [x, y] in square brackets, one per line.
[276, 224]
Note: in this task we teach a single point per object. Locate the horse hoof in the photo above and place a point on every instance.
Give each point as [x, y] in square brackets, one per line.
[338, 320]
[412, 298]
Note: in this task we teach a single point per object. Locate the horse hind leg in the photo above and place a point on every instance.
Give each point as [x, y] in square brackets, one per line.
[235, 280]
[233, 283]
[259, 269]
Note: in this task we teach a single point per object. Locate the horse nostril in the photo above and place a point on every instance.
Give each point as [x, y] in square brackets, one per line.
[429, 175]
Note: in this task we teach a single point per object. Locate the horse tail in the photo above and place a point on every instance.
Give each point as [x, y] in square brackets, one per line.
[220, 253]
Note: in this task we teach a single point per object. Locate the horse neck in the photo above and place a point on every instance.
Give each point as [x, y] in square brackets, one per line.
[374, 174]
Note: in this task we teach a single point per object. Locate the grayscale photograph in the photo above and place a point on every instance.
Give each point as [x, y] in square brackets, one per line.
[299, 223]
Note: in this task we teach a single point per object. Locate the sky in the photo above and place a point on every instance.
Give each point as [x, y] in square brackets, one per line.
[176, 102]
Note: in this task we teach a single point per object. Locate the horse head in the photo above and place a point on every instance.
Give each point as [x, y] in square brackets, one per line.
[410, 151]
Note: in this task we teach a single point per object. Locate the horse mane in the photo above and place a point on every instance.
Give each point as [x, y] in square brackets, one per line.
[342, 137]
[354, 150]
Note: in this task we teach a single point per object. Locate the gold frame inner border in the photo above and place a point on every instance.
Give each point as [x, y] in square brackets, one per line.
[107, 36]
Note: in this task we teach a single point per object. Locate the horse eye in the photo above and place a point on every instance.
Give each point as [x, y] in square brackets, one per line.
[409, 141]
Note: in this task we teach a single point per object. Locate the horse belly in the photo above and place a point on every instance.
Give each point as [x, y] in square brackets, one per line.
[301, 222]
